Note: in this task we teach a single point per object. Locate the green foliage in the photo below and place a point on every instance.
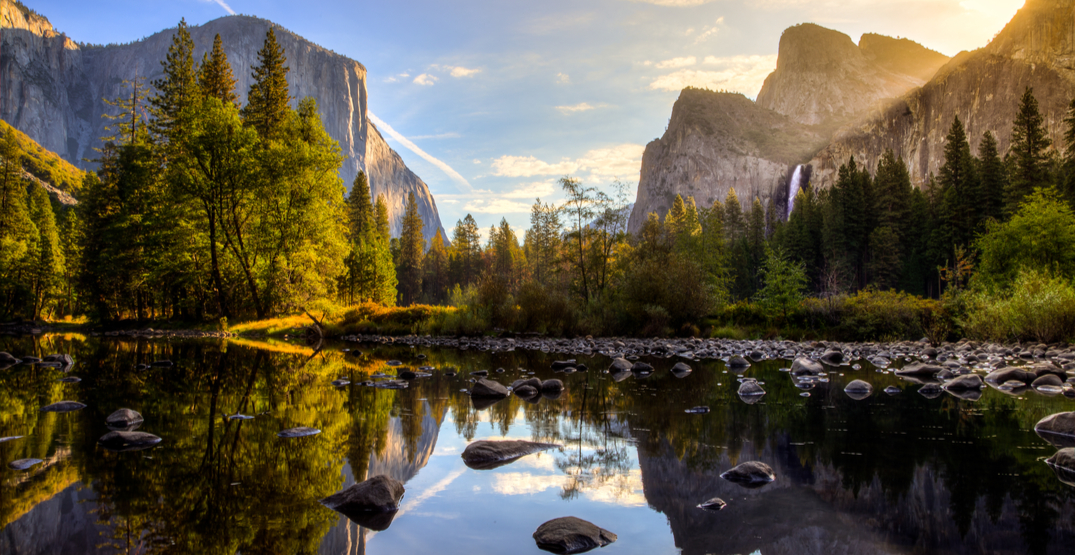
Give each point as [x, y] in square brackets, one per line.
[214, 75]
[1039, 236]
[784, 282]
[1029, 155]
[40, 163]
[411, 254]
[267, 102]
[872, 315]
[1039, 306]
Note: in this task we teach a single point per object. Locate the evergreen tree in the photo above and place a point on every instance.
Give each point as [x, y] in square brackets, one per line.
[733, 216]
[360, 214]
[889, 241]
[755, 247]
[849, 221]
[178, 90]
[466, 251]
[578, 207]
[992, 182]
[128, 125]
[1029, 152]
[436, 271]
[542, 242]
[959, 187]
[47, 268]
[411, 254]
[268, 100]
[784, 282]
[713, 249]
[381, 225]
[18, 235]
[214, 75]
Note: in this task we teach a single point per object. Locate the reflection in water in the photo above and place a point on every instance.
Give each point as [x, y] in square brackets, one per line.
[886, 474]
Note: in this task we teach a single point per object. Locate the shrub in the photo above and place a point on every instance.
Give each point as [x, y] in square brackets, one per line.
[872, 315]
[1039, 306]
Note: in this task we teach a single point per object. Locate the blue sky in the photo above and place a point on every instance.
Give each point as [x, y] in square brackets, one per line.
[505, 97]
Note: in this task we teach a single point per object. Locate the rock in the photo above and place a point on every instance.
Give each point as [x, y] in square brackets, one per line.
[394, 363]
[737, 362]
[128, 441]
[750, 388]
[552, 386]
[619, 365]
[488, 388]
[24, 464]
[391, 384]
[123, 418]
[833, 357]
[893, 390]
[641, 368]
[919, 370]
[571, 535]
[406, 375]
[681, 370]
[341, 382]
[562, 364]
[1047, 380]
[526, 391]
[9, 438]
[485, 454]
[1063, 464]
[965, 382]
[620, 376]
[481, 373]
[532, 382]
[803, 366]
[301, 431]
[372, 503]
[858, 390]
[63, 406]
[930, 391]
[1058, 429]
[715, 504]
[70, 379]
[751, 474]
[929, 352]
[1003, 375]
[6, 358]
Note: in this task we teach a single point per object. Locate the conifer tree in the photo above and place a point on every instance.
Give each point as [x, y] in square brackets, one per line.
[959, 185]
[128, 125]
[542, 242]
[214, 75]
[466, 247]
[178, 89]
[992, 182]
[411, 254]
[267, 103]
[888, 241]
[48, 264]
[360, 213]
[733, 216]
[436, 271]
[1029, 152]
[381, 225]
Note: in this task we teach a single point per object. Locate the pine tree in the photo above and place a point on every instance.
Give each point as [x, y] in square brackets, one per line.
[992, 182]
[381, 225]
[178, 89]
[267, 103]
[466, 247]
[411, 254]
[542, 242]
[360, 215]
[215, 77]
[48, 265]
[888, 241]
[959, 184]
[1029, 152]
[128, 126]
[733, 216]
[436, 271]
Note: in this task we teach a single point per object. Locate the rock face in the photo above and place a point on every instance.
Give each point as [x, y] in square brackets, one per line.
[823, 78]
[54, 90]
[571, 535]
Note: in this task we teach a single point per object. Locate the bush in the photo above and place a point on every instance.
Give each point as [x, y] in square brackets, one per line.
[1039, 306]
[872, 315]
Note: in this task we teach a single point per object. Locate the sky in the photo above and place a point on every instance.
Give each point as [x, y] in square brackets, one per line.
[490, 102]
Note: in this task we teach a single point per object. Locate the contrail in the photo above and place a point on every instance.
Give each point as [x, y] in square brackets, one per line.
[224, 5]
[454, 175]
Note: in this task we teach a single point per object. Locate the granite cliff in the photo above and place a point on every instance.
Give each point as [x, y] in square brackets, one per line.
[54, 90]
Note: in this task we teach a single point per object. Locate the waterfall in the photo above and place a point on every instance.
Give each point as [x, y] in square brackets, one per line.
[793, 188]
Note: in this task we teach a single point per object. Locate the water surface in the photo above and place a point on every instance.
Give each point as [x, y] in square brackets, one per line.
[889, 474]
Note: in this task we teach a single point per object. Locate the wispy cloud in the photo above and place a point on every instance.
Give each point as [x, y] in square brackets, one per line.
[496, 206]
[563, 78]
[425, 80]
[677, 62]
[451, 135]
[396, 78]
[458, 71]
[581, 107]
[619, 161]
[222, 4]
[709, 31]
[527, 166]
[464, 185]
[743, 74]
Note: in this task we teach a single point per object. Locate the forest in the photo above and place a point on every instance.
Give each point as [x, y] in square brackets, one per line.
[206, 212]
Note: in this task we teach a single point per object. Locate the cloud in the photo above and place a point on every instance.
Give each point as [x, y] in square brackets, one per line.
[464, 72]
[425, 79]
[619, 161]
[496, 206]
[464, 185]
[743, 74]
[563, 78]
[582, 107]
[476, 161]
[532, 191]
[396, 78]
[677, 62]
[709, 31]
[222, 4]
[452, 135]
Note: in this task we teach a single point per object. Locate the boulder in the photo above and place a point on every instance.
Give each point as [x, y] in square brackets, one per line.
[123, 418]
[526, 391]
[128, 441]
[833, 357]
[63, 406]
[1003, 375]
[751, 474]
[485, 454]
[64, 360]
[552, 386]
[750, 388]
[1047, 380]
[24, 464]
[7, 358]
[930, 391]
[966, 382]
[1063, 464]
[858, 390]
[1058, 429]
[803, 366]
[532, 382]
[301, 431]
[641, 368]
[619, 365]
[919, 370]
[571, 535]
[488, 388]
[406, 374]
[681, 370]
[737, 362]
[371, 504]
[562, 364]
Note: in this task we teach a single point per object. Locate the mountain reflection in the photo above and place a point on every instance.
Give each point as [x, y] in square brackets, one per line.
[886, 475]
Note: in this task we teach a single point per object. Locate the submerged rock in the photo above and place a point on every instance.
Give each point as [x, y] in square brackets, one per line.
[571, 535]
[641, 368]
[965, 382]
[123, 418]
[737, 362]
[7, 358]
[806, 367]
[24, 464]
[562, 364]
[858, 390]
[372, 503]
[485, 454]
[893, 390]
[715, 504]
[919, 370]
[162, 363]
[63, 406]
[1058, 429]
[619, 365]
[680, 370]
[488, 388]
[753, 474]
[128, 441]
[833, 357]
[552, 387]
[930, 391]
[70, 379]
[1063, 463]
[301, 431]
[750, 388]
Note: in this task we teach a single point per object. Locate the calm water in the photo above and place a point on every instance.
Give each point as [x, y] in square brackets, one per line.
[889, 474]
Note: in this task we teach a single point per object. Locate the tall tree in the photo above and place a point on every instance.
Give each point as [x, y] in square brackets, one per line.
[360, 215]
[268, 100]
[435, 271]
[411, 254]
[888, 241]
[128, 126]
[177, 90]
[1029, 152]
[578, 206]
[992, 181]
[381, 225]
[214, 75]
[1067, 181]
[466, 251]
[959, 185]
[542, 241]
[48, 265]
